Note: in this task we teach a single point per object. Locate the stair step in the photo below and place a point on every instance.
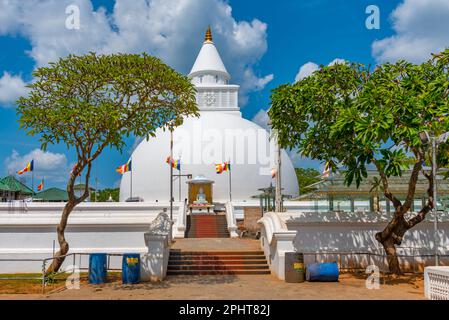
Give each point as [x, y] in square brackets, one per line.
[217, 272]
[215, 253]
[207, 226]
[217, 262]
[216, 266]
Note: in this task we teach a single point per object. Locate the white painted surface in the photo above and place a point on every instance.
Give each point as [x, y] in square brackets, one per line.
[329, 231]
[436, 283]
[151, 174]
[208, 62]
[275, 241]
[92, 228]
[219, 134]
[155, 261]
[231, 220]
[321, 236]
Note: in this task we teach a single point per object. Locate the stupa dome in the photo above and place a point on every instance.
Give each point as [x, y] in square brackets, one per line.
[219, 135]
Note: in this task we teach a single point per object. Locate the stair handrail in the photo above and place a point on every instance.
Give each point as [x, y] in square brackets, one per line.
[231, 220]
[181, 222]
[273, 224]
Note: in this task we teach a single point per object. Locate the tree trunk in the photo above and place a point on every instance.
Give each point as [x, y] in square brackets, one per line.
[393, 233]
[391, 237]
[59, 256]
[392, 258]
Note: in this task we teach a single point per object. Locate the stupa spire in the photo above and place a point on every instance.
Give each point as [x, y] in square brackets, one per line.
[208, 37]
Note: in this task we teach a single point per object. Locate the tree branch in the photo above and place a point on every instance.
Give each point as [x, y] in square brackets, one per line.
[383, 178]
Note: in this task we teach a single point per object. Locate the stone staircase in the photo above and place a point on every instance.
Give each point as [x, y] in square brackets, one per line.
[207, 226]
[217, 263]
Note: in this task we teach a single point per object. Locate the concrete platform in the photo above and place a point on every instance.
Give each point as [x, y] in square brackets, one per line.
[216, 244]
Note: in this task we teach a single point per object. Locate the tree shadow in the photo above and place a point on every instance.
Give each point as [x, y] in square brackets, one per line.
[412, 279]
[171, 281]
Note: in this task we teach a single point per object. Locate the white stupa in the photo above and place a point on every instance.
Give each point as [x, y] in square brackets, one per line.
[220, 134]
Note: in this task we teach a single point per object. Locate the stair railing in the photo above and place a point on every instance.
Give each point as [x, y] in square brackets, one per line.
[181, 221]
[231, 220]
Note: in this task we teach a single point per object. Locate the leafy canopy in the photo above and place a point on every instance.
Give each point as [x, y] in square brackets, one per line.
[92, 101]
[306, 177]
[348, 115]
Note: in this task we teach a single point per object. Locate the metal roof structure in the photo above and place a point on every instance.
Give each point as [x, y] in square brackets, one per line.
[14, 185]
[334, 186]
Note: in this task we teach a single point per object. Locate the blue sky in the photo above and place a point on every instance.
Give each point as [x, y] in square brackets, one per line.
[263, 44]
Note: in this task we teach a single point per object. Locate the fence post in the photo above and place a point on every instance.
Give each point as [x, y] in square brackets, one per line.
[43, 276]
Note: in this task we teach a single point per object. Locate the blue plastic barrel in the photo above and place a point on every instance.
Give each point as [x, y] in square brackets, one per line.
[131, 268]
[98, 269]
[326, 272]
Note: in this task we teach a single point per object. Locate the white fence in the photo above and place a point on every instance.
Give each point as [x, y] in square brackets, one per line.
[436, 283]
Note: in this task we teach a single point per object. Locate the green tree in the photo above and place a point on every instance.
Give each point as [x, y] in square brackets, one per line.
[354, 117]
[306, 176]
[93, 102]
[103, 195]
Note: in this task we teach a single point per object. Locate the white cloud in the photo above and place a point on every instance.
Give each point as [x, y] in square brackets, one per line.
[421, 28]
[309, 68]
[170, 29]
[51, 166]
[11, 88]
[251, 82]
[306, 70]
[261, 118]
[336, 61]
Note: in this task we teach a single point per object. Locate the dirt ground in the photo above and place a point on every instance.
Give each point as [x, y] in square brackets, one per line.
[265, 287]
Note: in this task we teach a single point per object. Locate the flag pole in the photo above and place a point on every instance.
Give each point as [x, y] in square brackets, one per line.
[131, 180]
[32, 183]
[230, 181]
[179, 178]
[171, 175]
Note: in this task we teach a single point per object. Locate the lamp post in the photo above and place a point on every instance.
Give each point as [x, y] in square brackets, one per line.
[278, 188]
[425, 139]
[435, 206]
[171, 185]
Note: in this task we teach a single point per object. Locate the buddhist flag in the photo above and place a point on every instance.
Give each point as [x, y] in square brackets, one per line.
[227, 166]
[176, 164]
[29, 167]
[40, 186]
[124, 168]
[219, 168]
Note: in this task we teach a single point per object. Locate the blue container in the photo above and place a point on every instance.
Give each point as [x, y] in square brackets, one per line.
[98, 269]
[131, 268]
[325, 272]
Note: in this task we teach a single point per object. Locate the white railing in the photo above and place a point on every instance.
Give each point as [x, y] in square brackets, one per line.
[181, 221]
[436, 283]
[275, 241]
[231, 220]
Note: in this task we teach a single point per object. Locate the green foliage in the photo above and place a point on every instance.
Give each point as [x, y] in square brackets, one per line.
[91, 102]
[50, 278]
[306, 176]
[103, 195]
[354, 117]
[88, 101]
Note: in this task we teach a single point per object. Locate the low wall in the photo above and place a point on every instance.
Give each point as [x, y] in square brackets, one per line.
[321, 236]
[30, 232]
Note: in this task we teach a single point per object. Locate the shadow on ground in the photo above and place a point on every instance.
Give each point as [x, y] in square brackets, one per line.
[176, 280]
[388, 279]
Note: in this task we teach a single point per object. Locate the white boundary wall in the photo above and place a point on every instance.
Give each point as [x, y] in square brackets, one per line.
[436, 283]
[28, 232]
[347, 232]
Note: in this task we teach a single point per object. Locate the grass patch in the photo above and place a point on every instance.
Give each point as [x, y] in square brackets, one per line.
[31, 283]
